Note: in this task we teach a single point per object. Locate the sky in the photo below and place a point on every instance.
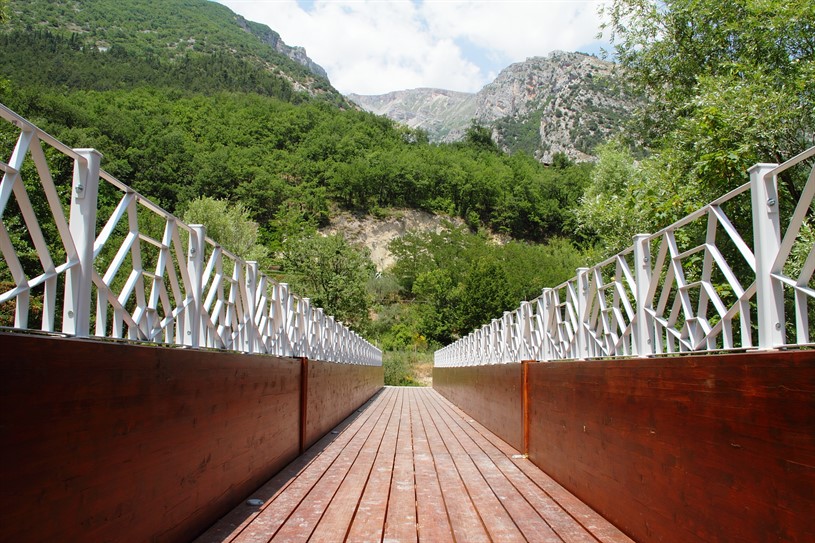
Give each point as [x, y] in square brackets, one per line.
[378, 46]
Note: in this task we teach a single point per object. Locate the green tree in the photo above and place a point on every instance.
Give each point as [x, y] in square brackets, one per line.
[333, 274]
[730, 85]
[229, 224]
[484, 294]
[730, 82]
[479, 137]
[610, 210]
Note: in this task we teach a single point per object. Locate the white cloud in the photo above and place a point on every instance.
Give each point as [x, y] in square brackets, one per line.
[376, 46]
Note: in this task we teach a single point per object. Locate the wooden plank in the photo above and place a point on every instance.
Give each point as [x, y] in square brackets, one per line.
[528, 520]
[417, 469]
[431, 511]
[231, 525]
[400, 518]
[491, 394]
[491, 508]
[510, 462]
[679, 449]
[284, 503]
[153, 442]
[369, 521]
[336, 521]
[593, 523]
[334, 392]
[465, 520]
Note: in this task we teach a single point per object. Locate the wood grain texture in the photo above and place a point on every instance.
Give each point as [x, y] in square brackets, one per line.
[412, 467]
[109, 441]
[334, 392]
[684, 449]
[492, 395]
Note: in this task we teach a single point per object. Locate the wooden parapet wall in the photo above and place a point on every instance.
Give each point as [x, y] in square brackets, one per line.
[492, 395]
[686, 449]
[111, 441]
[334, 391]
[679, 450]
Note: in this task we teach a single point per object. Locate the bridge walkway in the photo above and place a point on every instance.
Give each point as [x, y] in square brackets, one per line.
[410, 466]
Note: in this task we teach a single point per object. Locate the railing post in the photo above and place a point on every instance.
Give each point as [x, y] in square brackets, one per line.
[525, 331]
[251, 302]
[766, 243]
[76, 314]
[582, 318]
[304, 327]
[506, 338]
[545, 313]
[280, 322]
[195, 269]
[643, 329]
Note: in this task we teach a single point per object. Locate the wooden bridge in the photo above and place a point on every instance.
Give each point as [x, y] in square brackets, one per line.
[156, 387]
[410, 466]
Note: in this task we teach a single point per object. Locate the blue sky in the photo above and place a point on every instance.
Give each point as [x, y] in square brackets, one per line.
[378, 46]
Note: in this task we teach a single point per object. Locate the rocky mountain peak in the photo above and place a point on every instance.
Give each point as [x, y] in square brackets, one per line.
[564, 102]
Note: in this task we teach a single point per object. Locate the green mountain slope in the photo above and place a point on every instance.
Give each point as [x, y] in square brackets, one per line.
[173, 33]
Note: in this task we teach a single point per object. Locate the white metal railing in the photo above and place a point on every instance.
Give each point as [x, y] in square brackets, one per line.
[150, 276]
[669, 293]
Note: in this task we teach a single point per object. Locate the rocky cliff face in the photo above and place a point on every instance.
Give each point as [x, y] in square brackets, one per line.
[443, 114]
[565, 102]
[272, 38]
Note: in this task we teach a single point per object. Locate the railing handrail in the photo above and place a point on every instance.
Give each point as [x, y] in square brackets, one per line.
[194, 301]
[645, 309]
[786, 165]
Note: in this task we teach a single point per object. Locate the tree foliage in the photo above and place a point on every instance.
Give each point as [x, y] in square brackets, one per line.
[229, 224]
[730, 85]
[460, 280]
[333, 274]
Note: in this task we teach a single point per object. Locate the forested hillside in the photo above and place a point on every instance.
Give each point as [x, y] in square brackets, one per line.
[222, 129]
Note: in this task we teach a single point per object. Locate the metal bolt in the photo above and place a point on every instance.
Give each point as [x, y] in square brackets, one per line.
[646, 259]
[80, 188]
[778, 326]
[771, 202]
[70, 314]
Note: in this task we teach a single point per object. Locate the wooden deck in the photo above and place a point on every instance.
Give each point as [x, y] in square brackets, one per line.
[410, 466]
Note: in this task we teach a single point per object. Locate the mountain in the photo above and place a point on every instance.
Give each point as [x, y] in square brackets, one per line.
[272, 38]
[565, 102]
[174, 31]
[443, 114]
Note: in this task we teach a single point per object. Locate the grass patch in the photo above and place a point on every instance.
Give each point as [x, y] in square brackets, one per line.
[408, 368]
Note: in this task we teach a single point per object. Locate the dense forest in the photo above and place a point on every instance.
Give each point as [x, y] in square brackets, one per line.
[215, 135]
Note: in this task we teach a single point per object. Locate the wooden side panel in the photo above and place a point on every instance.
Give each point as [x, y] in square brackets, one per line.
[686, 449]
[492, 395]
[105, 441]
[334, 392]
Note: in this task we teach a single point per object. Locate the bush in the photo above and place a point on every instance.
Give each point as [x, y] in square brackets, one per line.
[408, 368]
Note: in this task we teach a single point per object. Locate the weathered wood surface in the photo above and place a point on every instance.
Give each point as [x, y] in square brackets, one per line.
[410, 466]
[492, 395]
[685, 449]
[116, 442]
[334, 391]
